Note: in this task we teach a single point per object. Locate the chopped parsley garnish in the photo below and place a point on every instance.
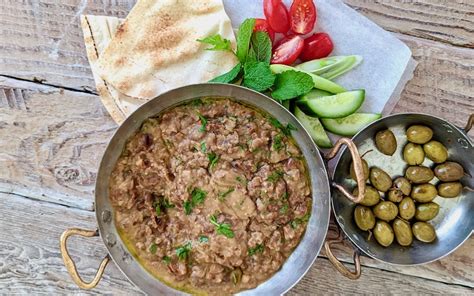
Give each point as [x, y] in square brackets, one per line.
[197, 197]
[213, 159]
[278, 142]
[241, 180]
[203, 239]
[285, 195]
[157, 205]
[297, 221]
[167, 204]
[196, 103]
[203, 122]
[275, 176]
[153, 247]
[166, 259]
[183, 251]
[257, 249]
[284, 209]
[203, 147]
[222, 228]
[285, 129]
[161, 203]
[223, 195]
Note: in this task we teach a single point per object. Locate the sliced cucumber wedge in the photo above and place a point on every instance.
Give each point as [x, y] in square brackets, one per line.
[314, 128]
[314, 94]
[319, 82]
[350, 125]
[331, 67]
[335, 106]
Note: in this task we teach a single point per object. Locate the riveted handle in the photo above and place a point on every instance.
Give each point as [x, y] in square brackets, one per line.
[71, 266]
[358, 168]
[353, 275]
[469, 124]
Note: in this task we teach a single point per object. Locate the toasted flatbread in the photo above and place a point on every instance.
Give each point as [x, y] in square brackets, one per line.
[155, 49]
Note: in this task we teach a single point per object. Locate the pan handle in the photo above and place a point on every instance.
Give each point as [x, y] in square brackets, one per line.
[469, 124]
[358, 168]
[353, 275]
[71, 266]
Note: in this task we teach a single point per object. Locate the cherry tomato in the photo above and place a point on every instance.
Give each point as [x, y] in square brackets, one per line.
[317, 46]
[262, 25]
[277, 15]
[284, 39]
[287, 52]
[302, 16]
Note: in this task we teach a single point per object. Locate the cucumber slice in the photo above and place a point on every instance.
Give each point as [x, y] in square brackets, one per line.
[331, 67]
[314, 128]
[350, 125]
[319, 82]
[314, 94]
[335, 106]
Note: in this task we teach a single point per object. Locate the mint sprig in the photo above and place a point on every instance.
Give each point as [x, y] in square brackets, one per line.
[217, 42]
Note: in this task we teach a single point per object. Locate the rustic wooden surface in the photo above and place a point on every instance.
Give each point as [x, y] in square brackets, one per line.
[53, 131]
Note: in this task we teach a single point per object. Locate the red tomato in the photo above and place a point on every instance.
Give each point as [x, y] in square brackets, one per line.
[277, 15]
[284, 39]
[262, 25]
[317, 46]
[287, 52]
[302, 16]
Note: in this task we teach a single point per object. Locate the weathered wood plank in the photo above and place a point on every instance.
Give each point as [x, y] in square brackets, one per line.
[456, 268]
[443, 84]
[42, 40]
[52, 141]
[30, 262]
[33, 265]
[441, 20]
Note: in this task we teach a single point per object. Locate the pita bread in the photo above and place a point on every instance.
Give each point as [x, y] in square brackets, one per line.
[98, 31]
[155, 49]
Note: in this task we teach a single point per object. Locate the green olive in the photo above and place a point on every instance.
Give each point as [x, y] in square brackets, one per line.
[365, 168]
[413, 154]
[419, 134]
[383, 233]
[436, 151]
[403, 185]
[419, 174]
[403, 232]
[424, 192]
[386, 210]
[395, 195]
[386, 142]
[423, 232]
[364, 217]
[406, 208]
[371, 196]
[450, 189]
[380, 179]
[449, 171]
[426, 211]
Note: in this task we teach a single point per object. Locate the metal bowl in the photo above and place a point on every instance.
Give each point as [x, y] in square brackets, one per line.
[455, 221]
[295, 266]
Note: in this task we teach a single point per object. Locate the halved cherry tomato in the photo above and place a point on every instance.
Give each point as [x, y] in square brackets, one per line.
[287, 52]
[284, 39]
[302, 16]
[317, 46]
[277, 15]
[262, 25]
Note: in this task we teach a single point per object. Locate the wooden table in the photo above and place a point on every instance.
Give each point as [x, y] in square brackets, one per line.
[53, 130]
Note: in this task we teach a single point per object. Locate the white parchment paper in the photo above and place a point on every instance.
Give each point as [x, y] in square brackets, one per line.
[387, 64]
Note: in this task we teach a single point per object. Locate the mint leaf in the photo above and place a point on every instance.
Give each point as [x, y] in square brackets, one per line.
[258, 76]
[243, 38]
[291, 84]
[229, 76]
[251, 56]
[217, 42]
[262, 46]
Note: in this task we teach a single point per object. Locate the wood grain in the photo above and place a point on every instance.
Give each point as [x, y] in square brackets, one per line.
[446, 21]
[52, 141]
[30, 260]
[443, 83]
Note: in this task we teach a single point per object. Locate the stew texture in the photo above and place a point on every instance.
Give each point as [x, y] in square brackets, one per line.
[211, 196]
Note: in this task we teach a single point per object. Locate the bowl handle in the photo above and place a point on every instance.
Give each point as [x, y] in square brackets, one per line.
[353, 275]
[358, 168]
[69, 263]
[469, 124]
